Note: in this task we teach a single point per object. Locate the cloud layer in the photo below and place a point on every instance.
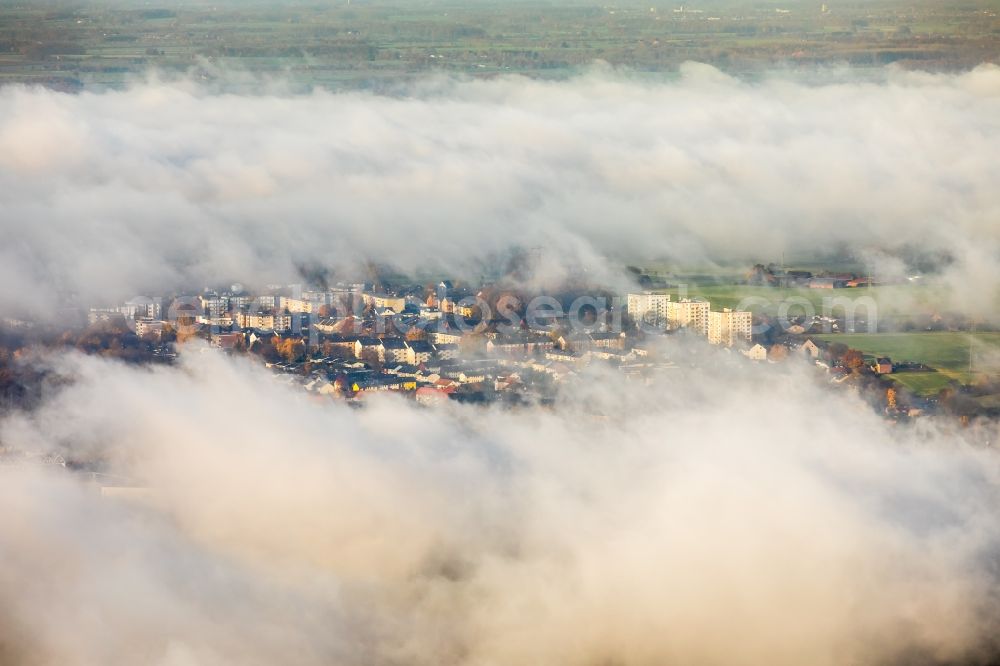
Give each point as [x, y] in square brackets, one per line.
[710, 518]
[168, 184]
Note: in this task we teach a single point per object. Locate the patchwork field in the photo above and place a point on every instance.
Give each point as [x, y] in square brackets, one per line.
[948, 353]
[367, 44]
[892, 303]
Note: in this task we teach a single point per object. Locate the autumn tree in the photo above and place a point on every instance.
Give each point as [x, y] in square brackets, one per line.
[837, 350]
[290, 349]
[777, 353]
[416, 333]
[853, 360]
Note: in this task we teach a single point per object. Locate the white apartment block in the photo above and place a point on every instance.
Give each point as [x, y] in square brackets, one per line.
[144, 327]
[447, 352]
[264, 302]
[298, 305]
[264, 321]
[130, 310]
[382, 301]
[213, 304]
[239, 302]
[418, 352]
[688, 314]
[393, 350]
[648, 307]
[150, 308]
[729, 327]
[444, 337]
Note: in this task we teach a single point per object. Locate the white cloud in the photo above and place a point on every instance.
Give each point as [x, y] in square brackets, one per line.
[714, 517]
[165, 184]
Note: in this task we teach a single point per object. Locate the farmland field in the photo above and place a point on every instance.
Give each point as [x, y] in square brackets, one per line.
[367, 44]
[892, 303]
[948, 353]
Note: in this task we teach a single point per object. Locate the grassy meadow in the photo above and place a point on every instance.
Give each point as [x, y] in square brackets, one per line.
[947, 352]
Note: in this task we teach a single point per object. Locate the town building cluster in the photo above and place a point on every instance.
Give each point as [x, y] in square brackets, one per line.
[725, 327]
[439, 342]
[353, 338]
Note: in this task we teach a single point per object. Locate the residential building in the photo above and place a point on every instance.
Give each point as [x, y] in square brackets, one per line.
[365, 345]
[519, 344]
[467, 310]
[611, 355]
[297, 305]
[104, 315]
[729, 327]
[687, 313]
[447, 352]
[239, 302]
[418, 351]
[648, 307]
[882, 365]
[445, 337]
[382, 301]
[264, 303]
[227, 340]
[393, 350]
[606, 340]
[265, 321]
[430, 395]
[214, 305]
[810, 349]
[575, 341]
[572, 358]
[149, 327]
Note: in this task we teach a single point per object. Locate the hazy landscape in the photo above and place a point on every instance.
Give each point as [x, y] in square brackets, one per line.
[376, 45]
[485, 333]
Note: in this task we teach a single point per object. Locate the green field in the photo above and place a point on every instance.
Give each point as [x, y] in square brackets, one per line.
[948, 353]
[891, 302]
[370, 43]
[924, 383]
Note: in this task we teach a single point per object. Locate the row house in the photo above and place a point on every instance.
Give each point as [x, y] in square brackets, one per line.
[265, 321]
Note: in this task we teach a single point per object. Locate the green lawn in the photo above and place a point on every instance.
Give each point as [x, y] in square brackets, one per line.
[923, 383]
[890, 301]
[948, 353]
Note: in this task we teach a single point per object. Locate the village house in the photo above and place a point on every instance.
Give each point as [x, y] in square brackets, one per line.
[575, 341]
[615, 355]
[432, 395]
[518, 344]
[393, 350]
[265, 321]
[418, 351]
[227, 340]
[447, 352]
[366, 345]
[296, 305]
[810, 349]
[882, 365]
[445, 337]
[149, 328]
[607, 340]
[377, 383]
[568, 357]
[381, 301]
[327, 325]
